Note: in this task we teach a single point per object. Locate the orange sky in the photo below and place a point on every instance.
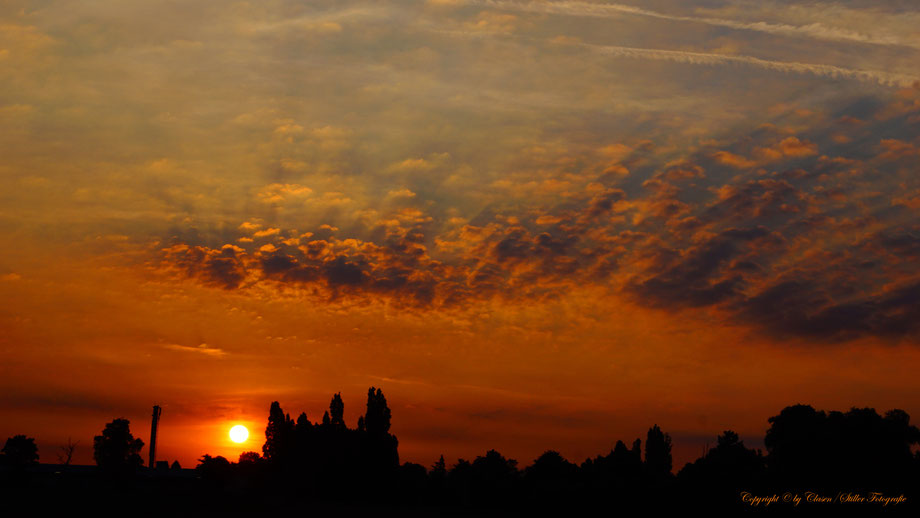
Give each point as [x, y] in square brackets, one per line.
[533, 225]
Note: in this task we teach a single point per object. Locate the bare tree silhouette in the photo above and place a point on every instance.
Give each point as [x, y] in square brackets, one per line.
[65, 455]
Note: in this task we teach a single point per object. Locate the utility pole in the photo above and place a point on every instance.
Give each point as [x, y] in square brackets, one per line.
[153, 436]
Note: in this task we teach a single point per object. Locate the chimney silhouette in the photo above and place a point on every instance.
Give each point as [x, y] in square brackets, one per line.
[153, 436]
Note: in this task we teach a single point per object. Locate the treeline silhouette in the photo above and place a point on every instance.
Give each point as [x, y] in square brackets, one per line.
[328, 463]
[326, 458]
[829, 453]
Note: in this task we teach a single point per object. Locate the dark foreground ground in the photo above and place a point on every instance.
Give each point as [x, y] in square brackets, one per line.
[53, 490]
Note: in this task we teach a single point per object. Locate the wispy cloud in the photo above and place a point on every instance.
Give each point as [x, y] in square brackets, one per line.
[705, 58]
[712, 59]
[813, 30]
[201, 349]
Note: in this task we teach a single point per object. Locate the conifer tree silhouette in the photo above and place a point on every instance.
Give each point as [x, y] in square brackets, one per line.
[278, 432]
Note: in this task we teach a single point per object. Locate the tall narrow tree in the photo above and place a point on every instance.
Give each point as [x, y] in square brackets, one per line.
[377, 417]
[277, 434]
[658, 452]
[337, 411]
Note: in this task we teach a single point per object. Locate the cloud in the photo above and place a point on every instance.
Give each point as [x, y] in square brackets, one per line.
[894, 149]
[492, 261]
[267, 232]
[76, 400]
[792, 146]
[818, 31]
[709, 59]
[278, 192]
[681, 170]
[910, 200]
[789, 243]
[405, 182]
[419, 164]
[223, 267]
[401, 193]
[488, 21]
[730, 159]
[202, 349]
[699, 276]
[801, 307]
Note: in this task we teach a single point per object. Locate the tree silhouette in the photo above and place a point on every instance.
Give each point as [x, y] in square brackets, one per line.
[66, 453]
[805, 448]
[459, 478]
[412, 482]
[20, 452]
[796, 443]
[116, 450]
[493, 478]
[278, 435]
[303, 424]
[337, 411]
[439, 469]
[377, 417]
[437, 480]
[381, 454]
[250, 457]
[724, 471]
[550, 480]
[855, 451]
[214, 471]
[658, 452]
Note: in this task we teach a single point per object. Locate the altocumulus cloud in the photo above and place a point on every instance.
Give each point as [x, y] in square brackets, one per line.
[791, 243]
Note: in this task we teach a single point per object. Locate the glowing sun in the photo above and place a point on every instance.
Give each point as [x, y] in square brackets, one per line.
[239, 433]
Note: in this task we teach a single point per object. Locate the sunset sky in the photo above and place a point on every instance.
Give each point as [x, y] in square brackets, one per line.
[534, 224]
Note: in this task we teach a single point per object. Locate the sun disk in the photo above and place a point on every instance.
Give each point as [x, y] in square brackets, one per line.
[239, 433]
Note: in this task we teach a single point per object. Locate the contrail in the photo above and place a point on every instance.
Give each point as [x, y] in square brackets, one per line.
[814, 30]
[701, 58]
[704, 58]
